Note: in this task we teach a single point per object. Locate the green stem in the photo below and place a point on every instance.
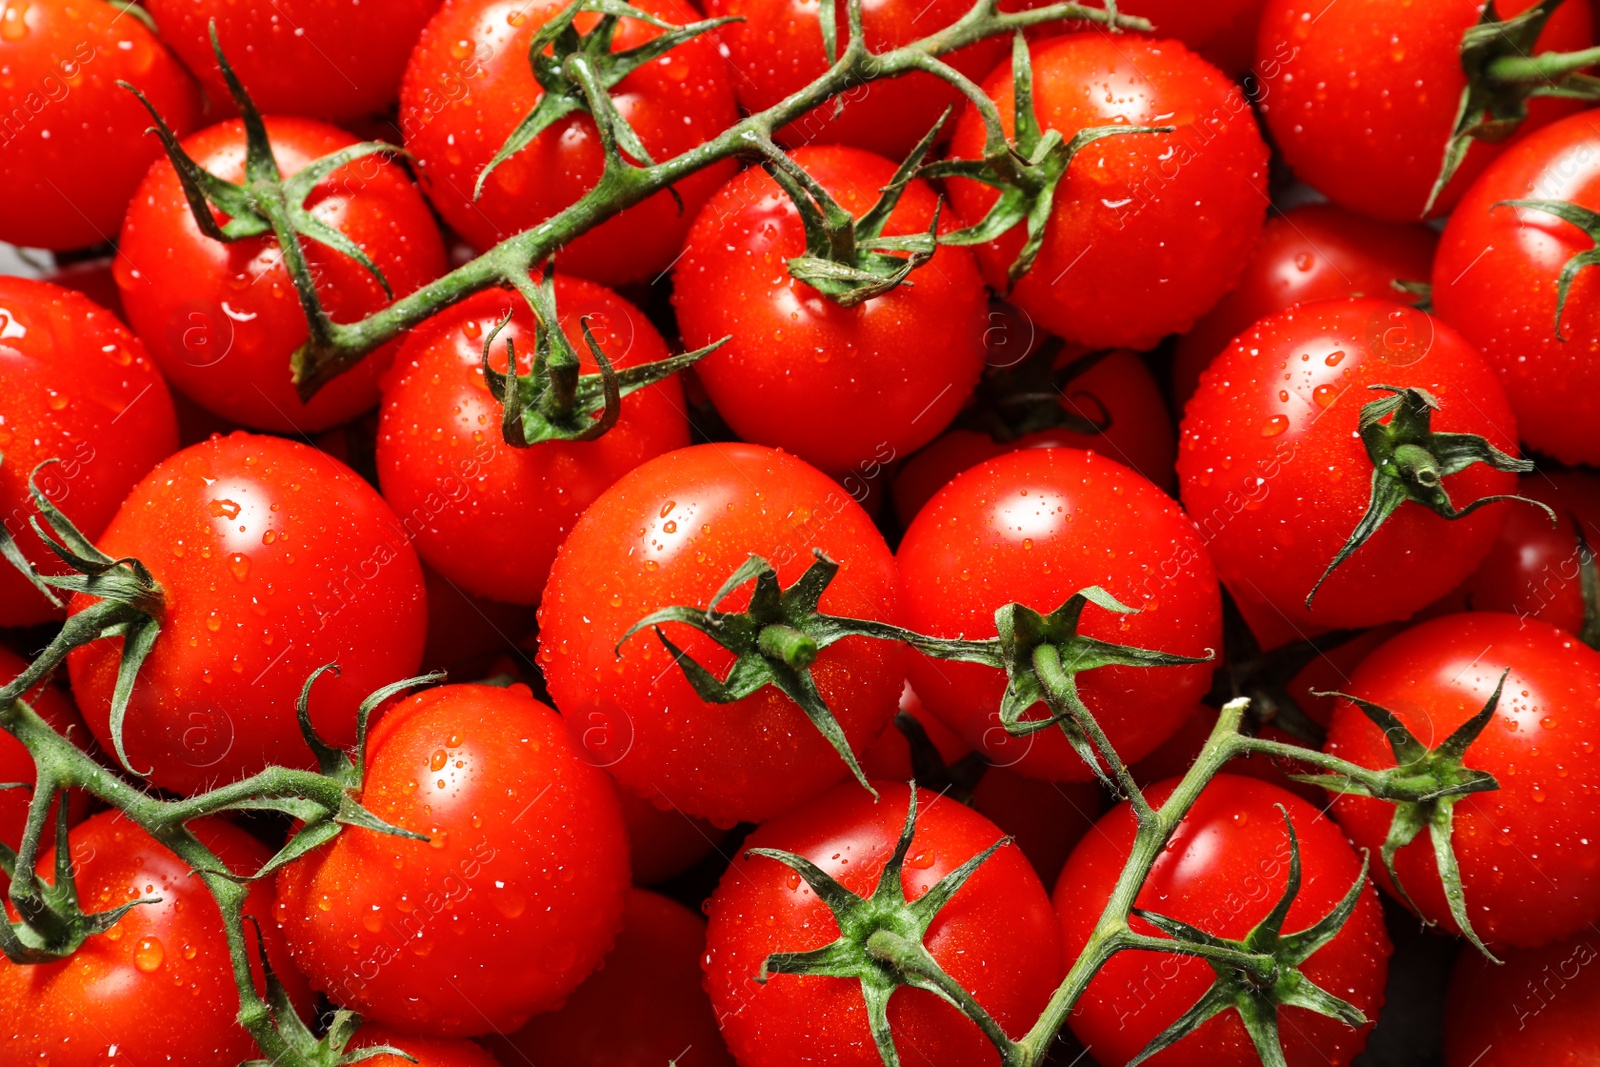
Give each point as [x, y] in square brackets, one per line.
[1544, 66]
[1063, 699]
[912, 958]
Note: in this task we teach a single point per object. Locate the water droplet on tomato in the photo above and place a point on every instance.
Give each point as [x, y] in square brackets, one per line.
[1274, 426]
[149, 955]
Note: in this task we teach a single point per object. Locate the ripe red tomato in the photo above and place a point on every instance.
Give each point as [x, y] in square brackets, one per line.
[671, 532]
[800, 368]
[424, 1051]
[158, 986]
[513, 899]
[15, 763]
[1111, 271]
[1223, 870]
[1117, 391]
[469, 84]
[777, 48]
[1535, 570]
[222, 320]
[1315, 252]
[1541, 1005]
[1496, 280]
[488, 516]
[273, 560]
[74, 141]
[78, 388]
[1035, 527]
[995, 936]
[1522, 848]
[663, 842]
[644, 1007]
[468, 635]
[339, 60]
[1273, 426]
[1361, 97]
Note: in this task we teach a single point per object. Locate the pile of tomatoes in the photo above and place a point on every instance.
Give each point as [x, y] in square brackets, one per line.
[1290, 392]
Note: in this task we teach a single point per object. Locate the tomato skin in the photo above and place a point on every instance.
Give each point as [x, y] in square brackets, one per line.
[488, 516]
[75, 143]
[1314, 252]
[1035, 527]
[1118, 389]
[340, 60]
[778, 49]
[800, 369]
[473, 932]
[221, 320]
[651, 982]
[1001, 913]
[663, 842]
[468, 85]
[15, 763]
[273, 560]
[1370, 146]
[158, 987]
[1130, 283]
[424, 1051]
[1540, 1005]
[80, 388]
[1177, 754]
[1273, 426]
[1496, 278]
[1528, 878]
[671, 532]
[1224, 869]
[1223, 33]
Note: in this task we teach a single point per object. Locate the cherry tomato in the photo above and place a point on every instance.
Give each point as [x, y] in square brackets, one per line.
[1315, 252]
[1036, 527]
[1111, 271]
[1224, 33]
[800, 368]
[15, 763]
[664, 842]
[511, 901]
[488, 516]
[1496, 280]
[1361, 97]
[645, 1006]
[1117, 391]
[1521, 848]
[761, 907]
[469, 84]
[671, 532]
[79, 388]
[222, 320]
[74, 141]
[1330, 671]
[1273, 427]
[339, 60]
[777, 48]
[158, 986]
[273, 560]
[1540, 1005]
[424, 1051]
[1535, 570]
[1223, 870]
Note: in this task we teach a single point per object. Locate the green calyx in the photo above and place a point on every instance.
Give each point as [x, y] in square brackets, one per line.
[1026, 170]
[1258, 975]
[578, 70]
[555, 400]
[847, 259]
[1503, 74]
[1423, 786]
[1012, 402]
[1584, 219]
[1410, 461]
[880, 940]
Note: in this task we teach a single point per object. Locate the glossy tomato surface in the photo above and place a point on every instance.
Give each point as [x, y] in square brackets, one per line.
[422, 1051]
[484, 514]
[1035, 527]
[1223, 870]
[1111, 270]
[1497, 276]
[16, 765]
[672, 531]
[273, 560]
[512, 900]
[995, 936]
[469, 84]
[222, 320]
[1276, 478]
[799, 369]
[1524, 849]
[1540, 1005]
[79, 388]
